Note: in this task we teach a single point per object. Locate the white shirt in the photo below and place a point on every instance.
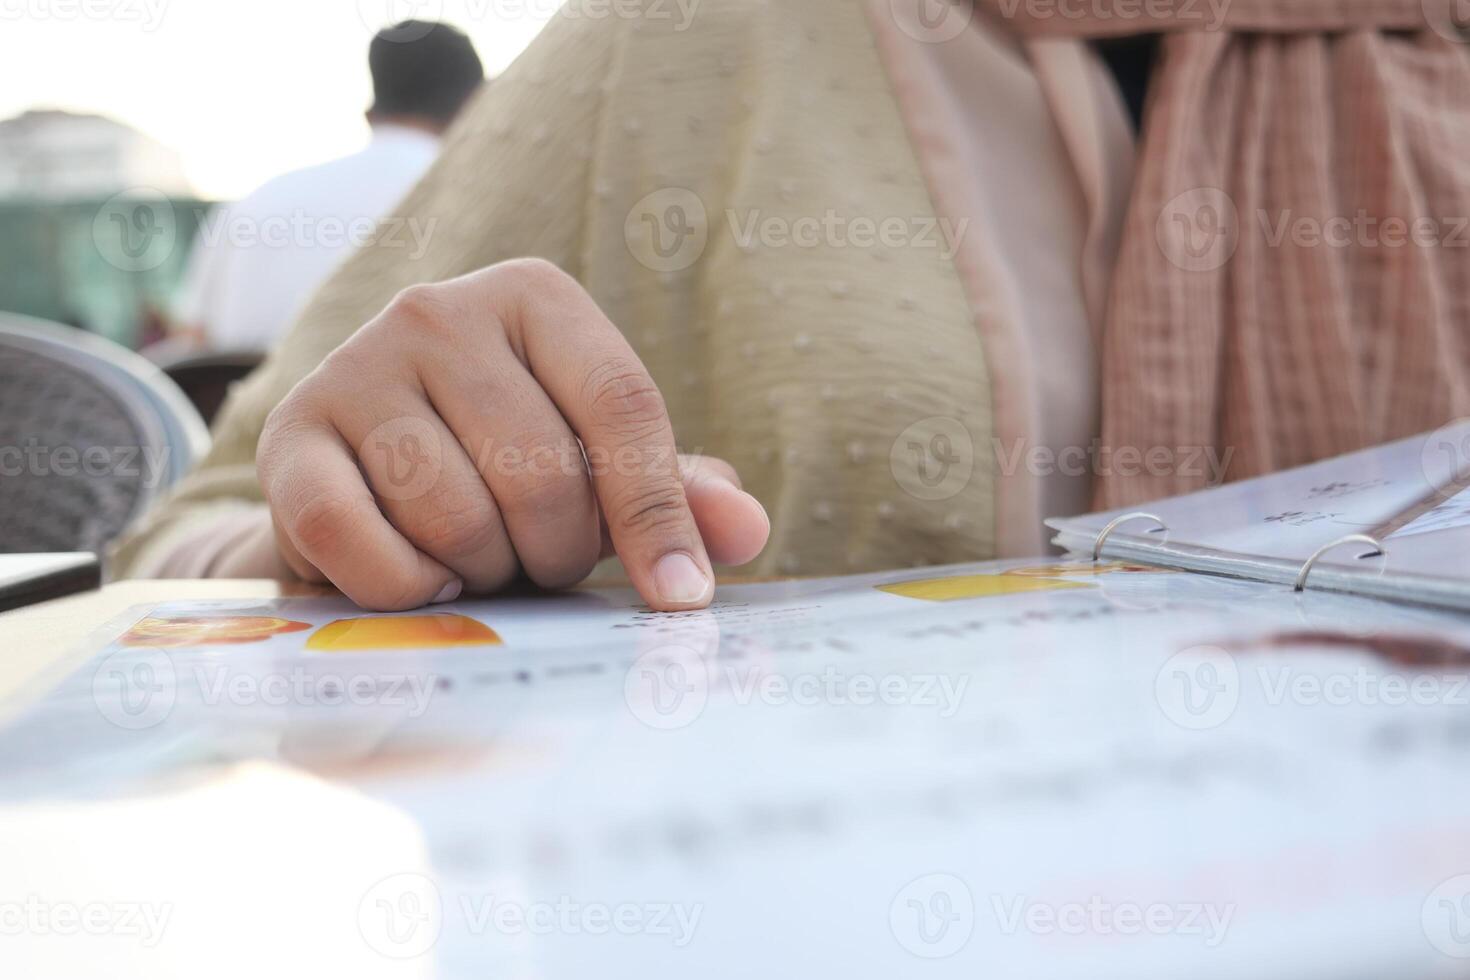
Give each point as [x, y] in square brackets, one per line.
[256, 262]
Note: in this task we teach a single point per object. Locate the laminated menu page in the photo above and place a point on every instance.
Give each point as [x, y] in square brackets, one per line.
[1392, 521]
[1044, 768]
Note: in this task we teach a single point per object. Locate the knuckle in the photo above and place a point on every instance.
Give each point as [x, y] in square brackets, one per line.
[289, 413]
[320, 521]
[426, 307]
[536, 273]
[545, 498]
[534, 291]
[297, 414]
[461, 526]
[270, 446]
[651, 510]
[622, 396]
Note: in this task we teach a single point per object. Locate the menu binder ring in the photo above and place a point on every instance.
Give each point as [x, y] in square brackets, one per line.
[1111, 526]
[1301, 578]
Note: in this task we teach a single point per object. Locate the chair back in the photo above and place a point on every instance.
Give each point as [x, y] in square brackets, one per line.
[91, 435]
[208, 378]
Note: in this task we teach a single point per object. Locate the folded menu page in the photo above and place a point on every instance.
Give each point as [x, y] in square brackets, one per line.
[1410, 497]
[1023, 768]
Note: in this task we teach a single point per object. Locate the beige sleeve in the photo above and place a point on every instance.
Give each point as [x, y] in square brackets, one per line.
[513, 180]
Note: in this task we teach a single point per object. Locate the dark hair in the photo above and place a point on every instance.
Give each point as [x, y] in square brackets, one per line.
[422, 69]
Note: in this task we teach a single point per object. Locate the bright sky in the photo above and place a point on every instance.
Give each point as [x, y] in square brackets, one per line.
[244, 89]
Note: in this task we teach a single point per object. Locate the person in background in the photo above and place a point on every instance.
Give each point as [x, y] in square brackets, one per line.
[256, 263]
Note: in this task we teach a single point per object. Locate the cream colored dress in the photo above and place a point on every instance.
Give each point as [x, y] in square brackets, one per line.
[745, 197]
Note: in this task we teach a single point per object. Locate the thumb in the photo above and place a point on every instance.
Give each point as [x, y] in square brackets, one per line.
[731, 522]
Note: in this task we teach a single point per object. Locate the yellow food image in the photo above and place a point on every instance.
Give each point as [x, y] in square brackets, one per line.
[435, 631]
[975, 586]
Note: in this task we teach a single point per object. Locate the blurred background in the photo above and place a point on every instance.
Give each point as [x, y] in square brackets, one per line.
[184, 104]
[176, 179]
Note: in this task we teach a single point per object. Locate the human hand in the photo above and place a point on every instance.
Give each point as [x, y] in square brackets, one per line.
[490, 426]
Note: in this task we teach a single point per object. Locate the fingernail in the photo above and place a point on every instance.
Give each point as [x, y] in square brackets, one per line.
[449, 593]
[679, 579]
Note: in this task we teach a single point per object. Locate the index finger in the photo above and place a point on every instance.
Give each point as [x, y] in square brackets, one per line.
[611, 402]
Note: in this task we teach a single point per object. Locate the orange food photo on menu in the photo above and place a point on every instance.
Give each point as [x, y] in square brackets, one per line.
[434, 631]
[189, 631]
[952, 587]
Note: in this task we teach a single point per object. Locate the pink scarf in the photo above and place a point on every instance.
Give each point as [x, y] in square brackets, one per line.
[1294, 275]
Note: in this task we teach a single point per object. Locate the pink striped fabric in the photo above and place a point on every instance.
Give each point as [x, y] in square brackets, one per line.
[1110, 18]
[1294, 275]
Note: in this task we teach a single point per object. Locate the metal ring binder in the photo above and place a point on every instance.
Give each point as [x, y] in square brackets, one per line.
[1301, 578]
[1113, 525]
